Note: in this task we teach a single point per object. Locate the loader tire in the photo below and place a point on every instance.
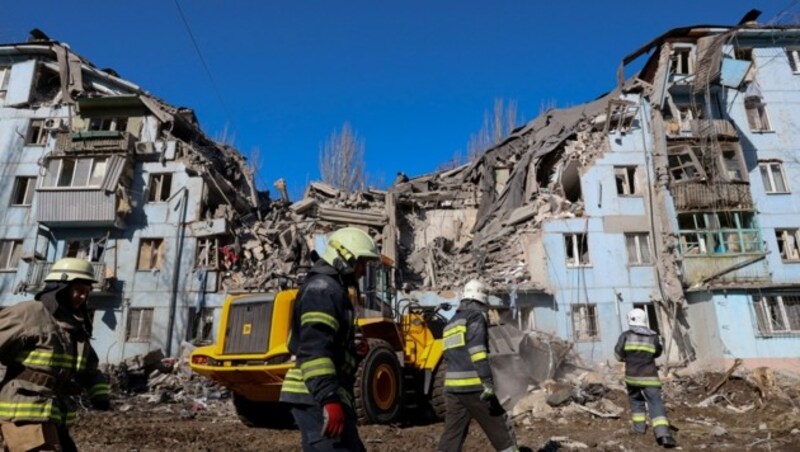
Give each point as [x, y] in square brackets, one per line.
[437, 399]
[272, 415]
[378, 387]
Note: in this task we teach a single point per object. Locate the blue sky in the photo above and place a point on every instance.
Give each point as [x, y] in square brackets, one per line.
[413, 78]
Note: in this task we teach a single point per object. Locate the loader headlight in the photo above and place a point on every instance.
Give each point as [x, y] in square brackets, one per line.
[203, 360]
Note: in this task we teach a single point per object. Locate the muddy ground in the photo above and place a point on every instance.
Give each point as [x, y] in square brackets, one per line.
[188, 426]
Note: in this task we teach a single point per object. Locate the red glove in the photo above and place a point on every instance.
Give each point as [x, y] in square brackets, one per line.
[333, 426]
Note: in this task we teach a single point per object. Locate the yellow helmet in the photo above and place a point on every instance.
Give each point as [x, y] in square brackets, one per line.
[71, 269]
[347, 245]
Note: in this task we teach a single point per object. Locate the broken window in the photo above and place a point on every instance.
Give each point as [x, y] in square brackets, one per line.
[773, 177]
[687, 114]
[207, 253]
[23, 191]
[794, 59]
[733, 165]
[10, 252]
[140, 323]
[107, 124]
[777, 314]
[714, 233]
[626, 180]
[585, 326]
[160, 187]
[37, 133]
[151, 254]
[756, 111]
[682, 63]
[75, 173]
[652, 318]
[577, 249]
[5, 73]
[201, 325]
[638, 246]
[788, 244]
[684, 165]
[87, 249]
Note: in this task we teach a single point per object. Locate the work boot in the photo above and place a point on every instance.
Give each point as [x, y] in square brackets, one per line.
[667, 442]
[639, 428]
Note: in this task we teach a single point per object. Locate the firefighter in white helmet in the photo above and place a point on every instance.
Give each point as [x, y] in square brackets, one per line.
[469, 386]
[44, 344]
[320, 387]
[638, 348]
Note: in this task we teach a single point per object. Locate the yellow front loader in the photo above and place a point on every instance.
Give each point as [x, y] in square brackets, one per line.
[402, 372]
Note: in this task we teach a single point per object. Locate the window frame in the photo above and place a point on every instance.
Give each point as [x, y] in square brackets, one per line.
[711, 239]
[12, 256]
[30, 190]
[156, 180]
[765, 317]
[766, 166]
[139, 314]
[573, 241]
[5, 77]
[738, 160]
[156, 260]
[590, 319]
[758, 105]
[637, 239]
[693, 162]
[77, 162]
[211, 243]
[783, 236]
[630, 174]
[793, 55]
[677, 58]
[36, 127]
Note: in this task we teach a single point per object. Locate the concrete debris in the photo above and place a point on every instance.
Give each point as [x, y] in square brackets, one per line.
[718, 431]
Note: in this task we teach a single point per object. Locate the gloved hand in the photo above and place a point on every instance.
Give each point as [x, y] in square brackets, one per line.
[488, 393]
[333, 415]
[101, 403]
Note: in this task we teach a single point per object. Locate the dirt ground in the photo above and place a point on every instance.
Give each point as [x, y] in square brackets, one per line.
[773, 425]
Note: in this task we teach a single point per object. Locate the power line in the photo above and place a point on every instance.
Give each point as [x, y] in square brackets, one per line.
[203, 61]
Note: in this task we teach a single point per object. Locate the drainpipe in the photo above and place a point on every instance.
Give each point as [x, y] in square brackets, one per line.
[180, 232]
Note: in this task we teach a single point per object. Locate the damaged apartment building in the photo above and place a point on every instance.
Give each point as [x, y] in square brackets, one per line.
[94, 167]
[675, 193]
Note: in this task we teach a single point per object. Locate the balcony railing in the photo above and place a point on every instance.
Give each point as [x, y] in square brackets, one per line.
[86, 206]
[38, 271]
[702, 128]
[691, 196]
[94, 141]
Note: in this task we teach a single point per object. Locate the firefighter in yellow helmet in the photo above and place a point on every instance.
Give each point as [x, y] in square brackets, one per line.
[320, 387]
[44, 344]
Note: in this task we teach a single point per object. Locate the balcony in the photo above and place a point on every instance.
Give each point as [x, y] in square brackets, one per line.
[96, 142]
[699, 196]
[38, 271]
[78, 207]
[702, 128]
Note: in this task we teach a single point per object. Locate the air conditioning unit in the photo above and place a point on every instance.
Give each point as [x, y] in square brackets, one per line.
[53, 124]
[145, 147]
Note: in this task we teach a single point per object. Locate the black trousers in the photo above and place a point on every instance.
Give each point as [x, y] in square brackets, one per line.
[309, 419]
[462, 408]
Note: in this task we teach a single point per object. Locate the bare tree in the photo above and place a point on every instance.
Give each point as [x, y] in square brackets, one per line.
[341, 160]
[497, 125]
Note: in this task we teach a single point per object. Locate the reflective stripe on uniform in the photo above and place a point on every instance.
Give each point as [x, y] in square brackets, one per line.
[462, 379]
[640, 346]
[35, 411]
[294, 382]
[319, 317]
[478, 353]
[317, 367]
[100, 389]
[455, 336]
[642, 381]
[659, 421]
[50, 359]
[638, 417]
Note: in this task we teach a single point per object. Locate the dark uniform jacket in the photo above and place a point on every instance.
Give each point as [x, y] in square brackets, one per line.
[638, 348]
[466, 351]
[322, 332]
[49, 360]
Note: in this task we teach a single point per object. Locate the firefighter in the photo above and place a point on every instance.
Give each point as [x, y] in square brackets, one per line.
[469, 387]
[638, 348]
[320, 387]
[44, 344]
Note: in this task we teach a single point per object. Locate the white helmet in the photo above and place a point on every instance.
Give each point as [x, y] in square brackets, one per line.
[475, 290]
[637, 317]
